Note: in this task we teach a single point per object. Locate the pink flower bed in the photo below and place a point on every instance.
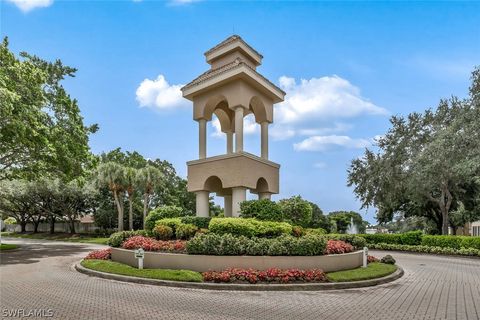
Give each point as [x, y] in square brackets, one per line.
[150, 244]
[337, 246]
[272, 275]
[103, 254]
[371, 259]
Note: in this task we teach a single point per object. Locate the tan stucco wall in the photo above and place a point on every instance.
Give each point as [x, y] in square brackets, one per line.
[235, 93]
[234, 170]
[232, 56]
[201, 263]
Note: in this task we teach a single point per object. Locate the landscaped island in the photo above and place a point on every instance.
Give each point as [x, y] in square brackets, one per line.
[235, 250]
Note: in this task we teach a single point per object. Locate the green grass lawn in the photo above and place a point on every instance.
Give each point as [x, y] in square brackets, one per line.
[123, 269]
[374, 270]
[83, 238]
[8, 246]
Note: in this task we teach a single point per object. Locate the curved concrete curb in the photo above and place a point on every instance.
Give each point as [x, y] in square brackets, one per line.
[245, 287]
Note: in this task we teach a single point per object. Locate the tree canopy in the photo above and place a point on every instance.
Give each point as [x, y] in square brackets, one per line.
[427, 164]
[41, 128]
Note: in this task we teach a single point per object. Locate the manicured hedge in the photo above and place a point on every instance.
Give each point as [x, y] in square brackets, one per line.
[170, 222]
[248, 227]
[229, 245]
[200, 222]
[409, 238]
[455, 242]
[116, 239]
[162, 213]
[263, 209]
[356, 241]
[417, 238]
[426, 249]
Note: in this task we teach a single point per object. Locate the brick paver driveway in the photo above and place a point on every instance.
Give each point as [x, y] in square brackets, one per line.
[41, 277]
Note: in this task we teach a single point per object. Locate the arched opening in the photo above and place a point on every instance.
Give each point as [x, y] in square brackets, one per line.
[213, 184]
[258, 109]
[262, 185]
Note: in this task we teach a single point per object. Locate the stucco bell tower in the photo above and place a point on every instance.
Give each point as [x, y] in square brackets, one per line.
[231, 90]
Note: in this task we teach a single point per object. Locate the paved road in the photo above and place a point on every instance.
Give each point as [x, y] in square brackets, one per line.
[41, 277]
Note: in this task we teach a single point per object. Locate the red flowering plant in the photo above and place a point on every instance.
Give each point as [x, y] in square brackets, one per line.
[104, 254]
[371, 259]
[338, 246]
[272, 275]
[150, 244]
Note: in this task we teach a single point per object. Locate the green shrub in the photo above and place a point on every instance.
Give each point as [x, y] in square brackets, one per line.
[318, 231]
[227, 244]
[249, 227]
[200, 222]
[185, 231]
[298, 231]
[215, 244]
[470, 242]
[382, 238]
[162, 213]
[263, 209]
[162, 232]
[412, 238]
[116, 239]
[388, 259]
[296, 210]
[453, 242]
[355, 240]
[426, 249]
[170, 222]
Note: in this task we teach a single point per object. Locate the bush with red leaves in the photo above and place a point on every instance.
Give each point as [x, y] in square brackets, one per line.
[338, 246]
[371, 259]
[272, 275]
[150, 244]
[104, 254]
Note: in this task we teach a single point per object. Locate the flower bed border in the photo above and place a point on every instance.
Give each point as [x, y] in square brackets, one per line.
[245, 287]
[202, 263]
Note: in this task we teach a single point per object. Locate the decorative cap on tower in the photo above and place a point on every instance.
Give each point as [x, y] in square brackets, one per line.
[230, 60]
[230, 49]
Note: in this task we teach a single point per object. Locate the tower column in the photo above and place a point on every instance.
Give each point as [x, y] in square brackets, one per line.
[239, 128]
[202, 203]
[227, 206]
[229, 142]
[202, 139]
[264, 142]
[239, 194]
[264, 195]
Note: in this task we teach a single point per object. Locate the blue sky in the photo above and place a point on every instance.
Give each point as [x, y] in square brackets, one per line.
[346, 67]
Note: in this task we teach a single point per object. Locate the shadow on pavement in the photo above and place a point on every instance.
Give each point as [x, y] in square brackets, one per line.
[31, 253]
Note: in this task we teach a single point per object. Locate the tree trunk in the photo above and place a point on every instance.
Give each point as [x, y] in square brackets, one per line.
[52, 224]
[145, 206]
[130, 213]
[445, 203]
[35, 225]
[120, 211]
[72, 226]
[23, 226]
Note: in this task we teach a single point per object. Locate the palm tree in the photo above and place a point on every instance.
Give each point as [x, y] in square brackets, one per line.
[112, 175]
[130, 178]
[147, 179]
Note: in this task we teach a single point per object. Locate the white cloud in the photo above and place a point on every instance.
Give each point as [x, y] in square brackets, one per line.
[28, 5]
[160, 94]
[321, 98]
[322, 143]
[249, 126]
